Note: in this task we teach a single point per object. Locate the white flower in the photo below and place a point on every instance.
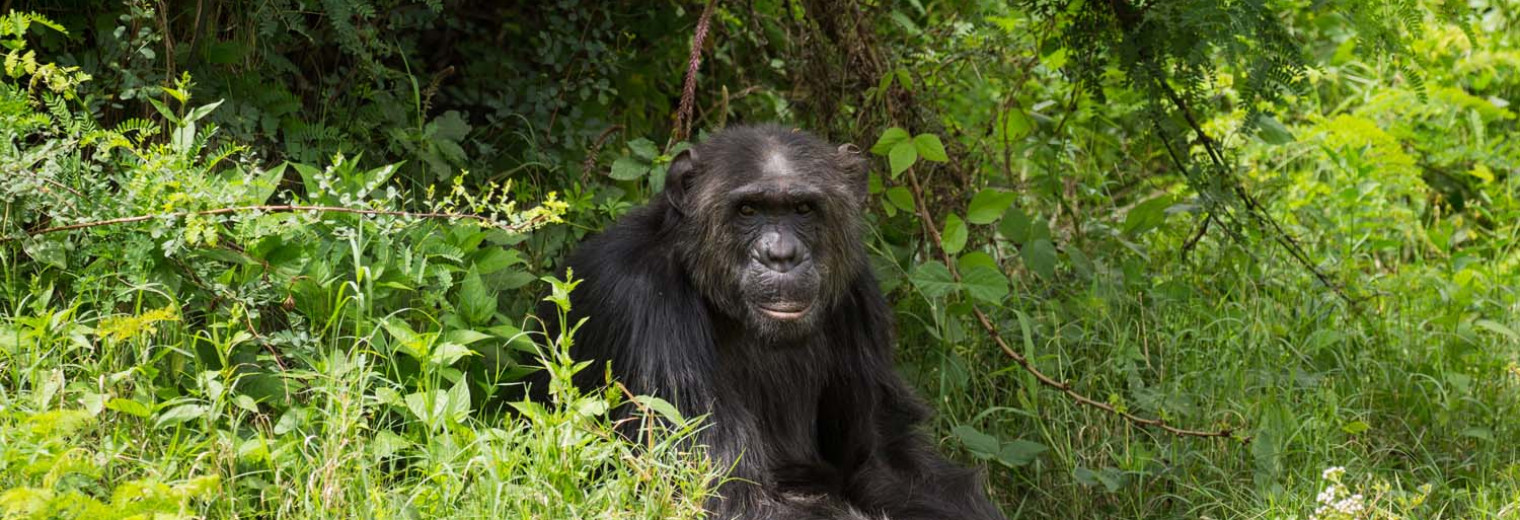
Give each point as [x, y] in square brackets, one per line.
[1333, 473]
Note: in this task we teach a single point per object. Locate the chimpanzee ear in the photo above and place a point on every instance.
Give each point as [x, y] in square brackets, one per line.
[854, 168]
[678, 178]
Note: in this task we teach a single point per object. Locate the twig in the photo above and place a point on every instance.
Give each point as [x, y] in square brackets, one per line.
[682, 128]
[280, 209]
[992, 331]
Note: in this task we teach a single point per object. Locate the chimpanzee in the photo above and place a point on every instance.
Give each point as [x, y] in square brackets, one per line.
[742, 291]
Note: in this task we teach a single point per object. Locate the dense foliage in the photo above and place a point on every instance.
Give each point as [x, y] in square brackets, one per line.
[1149, 259]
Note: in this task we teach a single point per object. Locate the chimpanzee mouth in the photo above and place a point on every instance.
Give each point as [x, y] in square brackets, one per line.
[785, 311]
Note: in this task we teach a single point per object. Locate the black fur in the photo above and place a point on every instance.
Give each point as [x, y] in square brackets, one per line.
[808, 411]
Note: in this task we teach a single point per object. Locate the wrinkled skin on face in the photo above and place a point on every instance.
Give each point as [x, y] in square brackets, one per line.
[771, 220]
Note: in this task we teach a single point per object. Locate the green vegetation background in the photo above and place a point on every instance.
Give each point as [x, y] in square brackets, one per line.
[274, 259]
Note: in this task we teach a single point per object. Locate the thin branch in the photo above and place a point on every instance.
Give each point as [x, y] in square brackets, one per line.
[515, 228]
[992, 331]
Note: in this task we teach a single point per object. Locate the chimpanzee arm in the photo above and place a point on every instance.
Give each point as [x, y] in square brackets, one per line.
[871, 426]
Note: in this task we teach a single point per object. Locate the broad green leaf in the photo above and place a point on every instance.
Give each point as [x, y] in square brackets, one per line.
[1499, 328]
[930, 148]
[1272, 131]
[662, 407]
[988, 205]
[902, 157]
[447, 353]
[981, 445]
[975, 258]
[1015, 125]
[643, 149]
[953, 238]
[1355, 427]
[1147, 215]
[933, 279]
[901, 197]
[1055, 59]
[889, 139]
[1020, 452]
[457, 408]
[1040, 256]
[129, 407]
[628, 168]
[476, 303]
[1015, 226]
[181, 414]
[985, 283]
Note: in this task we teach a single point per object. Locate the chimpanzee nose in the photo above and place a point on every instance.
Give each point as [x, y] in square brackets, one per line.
[780, 252]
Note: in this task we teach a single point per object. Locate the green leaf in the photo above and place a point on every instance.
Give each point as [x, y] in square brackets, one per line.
[985, 283]
[1496, 327]
[1147, 215]
[662, 407]
[953, 238]
[476, 304]
[1040, 256]
[889, 139]
[988, 205]
[181, 414]
[902, 157]
[195, 114]
[901, 197]
[643, 149]
[457, 408]
[1020, 453]
[1272, 131]
[1015, 226]
[129, 407]
[930, 148]
[1355, 427]
[975, 258]
[1015, 125]
[447, 353]
[628, 168]
[933, 279]
[979, 444]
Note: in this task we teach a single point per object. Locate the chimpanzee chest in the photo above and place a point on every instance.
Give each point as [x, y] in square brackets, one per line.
[777, 392]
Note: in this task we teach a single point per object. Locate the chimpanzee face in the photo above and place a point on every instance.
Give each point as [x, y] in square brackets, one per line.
[772, 219]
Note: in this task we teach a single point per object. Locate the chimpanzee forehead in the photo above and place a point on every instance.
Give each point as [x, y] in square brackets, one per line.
[766, 155]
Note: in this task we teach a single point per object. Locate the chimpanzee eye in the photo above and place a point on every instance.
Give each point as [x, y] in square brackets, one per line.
[746, 210]
[804, 208]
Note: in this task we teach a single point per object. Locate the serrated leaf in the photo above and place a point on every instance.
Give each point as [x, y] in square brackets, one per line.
[930, 148]
[889, 139]
[628, 168]
[901, 157]
[933, 279]
[1040, 256]
[985, 283]
[979, 444]
[954, 236]
[988, 205]
[901, 197]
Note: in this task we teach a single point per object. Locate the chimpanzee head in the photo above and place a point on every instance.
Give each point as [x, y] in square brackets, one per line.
[769, 225]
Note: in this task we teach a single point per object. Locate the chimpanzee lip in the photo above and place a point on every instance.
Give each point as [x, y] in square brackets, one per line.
[785, 310]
